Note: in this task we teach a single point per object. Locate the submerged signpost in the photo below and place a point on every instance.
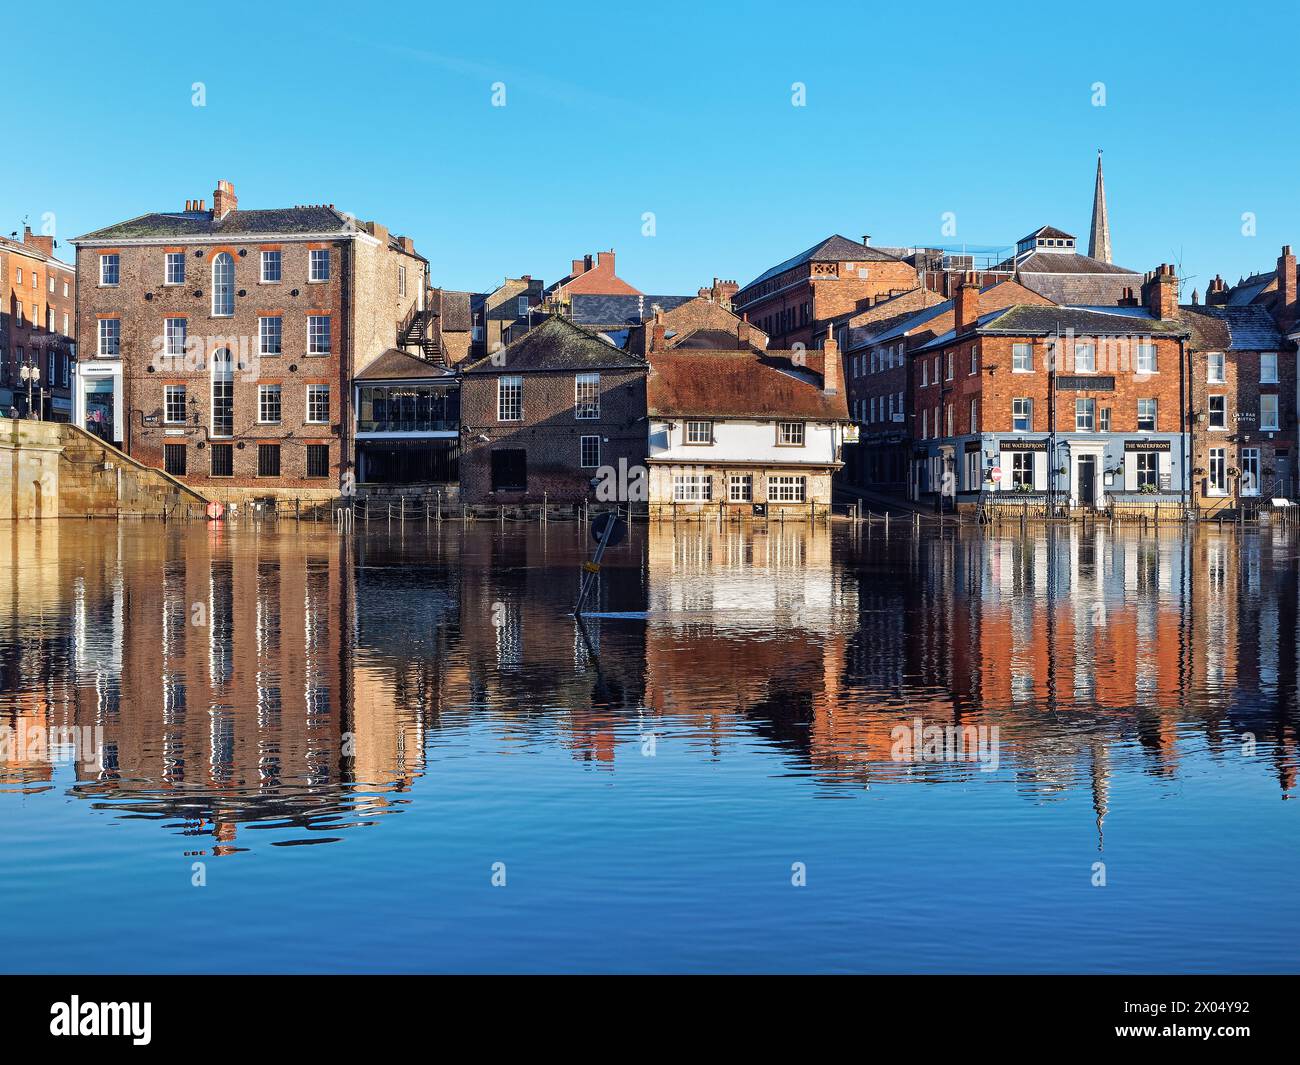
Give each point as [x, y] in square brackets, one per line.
[608, 530]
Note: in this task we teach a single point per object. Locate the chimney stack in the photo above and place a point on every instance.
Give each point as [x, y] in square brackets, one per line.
[40, 243]
[1160, 292]
[1216, 293]
[866, 239]
[658, 341]
[742, 332]
[966, 304]
[223, 200]
[578, 267]
[830, 363]
[1286, 285]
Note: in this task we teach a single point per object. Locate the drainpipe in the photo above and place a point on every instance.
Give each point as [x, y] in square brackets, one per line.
[346, 358]
[1185, 442]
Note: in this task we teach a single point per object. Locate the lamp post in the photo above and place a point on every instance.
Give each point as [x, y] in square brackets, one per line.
[31, 373]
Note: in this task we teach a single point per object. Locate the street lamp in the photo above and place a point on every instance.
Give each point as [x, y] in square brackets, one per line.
[31, 373]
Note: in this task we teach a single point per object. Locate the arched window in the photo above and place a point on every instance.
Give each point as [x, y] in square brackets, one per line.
[223, 394]
[223, 286]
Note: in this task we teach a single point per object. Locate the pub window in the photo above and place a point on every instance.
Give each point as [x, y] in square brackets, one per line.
[789, 434]
[1146, 415]
[1218, 412]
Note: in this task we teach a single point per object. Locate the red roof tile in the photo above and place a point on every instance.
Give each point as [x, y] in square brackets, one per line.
[740, 384]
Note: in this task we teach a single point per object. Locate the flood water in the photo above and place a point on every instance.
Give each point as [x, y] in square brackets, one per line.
[269, 748]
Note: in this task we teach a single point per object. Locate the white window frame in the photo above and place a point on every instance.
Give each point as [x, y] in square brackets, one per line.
[223, 285]
[586, 396]
[318, 265]
[1268, 359]
[1022, 358]
[264, 332]
[174, 334]
[316, 332]
[787, 488]
[1269, 420]
[1215, 368]
[1085, 411]
[172, 395]
[790, 434]
[272, 262]
[695, 429]
[692, 488]
[174, 268]
[510, 399]
[110, 338]
[313, 416]
[110, 263]
[1223, 413]
[1147, 359]
[1155, 415]
[1025, 404]
[740, 488]
[264, 403]
[1089, 364]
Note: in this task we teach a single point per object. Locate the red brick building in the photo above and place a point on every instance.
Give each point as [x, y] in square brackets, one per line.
[877, 371]
[1081, 406]
[542, 417]
[794, 301]
[220, 344]
[37, 327]
[1243, 386]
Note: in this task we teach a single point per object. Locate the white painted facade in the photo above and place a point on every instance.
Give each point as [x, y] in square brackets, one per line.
[744, 441]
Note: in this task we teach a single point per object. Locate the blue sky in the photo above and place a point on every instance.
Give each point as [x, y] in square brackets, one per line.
[683, 110]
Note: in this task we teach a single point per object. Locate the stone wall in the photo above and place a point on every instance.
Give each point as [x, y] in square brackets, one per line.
[50, 470]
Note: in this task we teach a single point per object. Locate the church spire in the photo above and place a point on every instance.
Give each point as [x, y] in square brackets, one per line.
[1099, 238]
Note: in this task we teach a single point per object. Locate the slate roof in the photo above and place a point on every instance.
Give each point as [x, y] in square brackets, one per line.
[592, 309]
[181, 224]
[1250, 289]
[1026, 320]
[556, 344]
[1221, 328]
[738, 384]
[395, 365]
[1050, 232]
[1050, 262]
[831, 250]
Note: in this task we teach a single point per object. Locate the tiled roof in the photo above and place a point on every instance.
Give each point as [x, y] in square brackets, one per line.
[592, 309]
[1051, 262]
[833, 249]
[1231, 328]
[555, 344]
[285, 220]
[1050, 232]
[1025, 320]
[738, 384]
[395, 365]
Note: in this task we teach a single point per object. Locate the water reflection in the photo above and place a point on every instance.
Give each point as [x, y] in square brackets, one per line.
[284, 681]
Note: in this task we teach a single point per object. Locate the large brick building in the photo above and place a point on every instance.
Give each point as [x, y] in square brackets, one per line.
[1078, 404]
[878, 370]
[37, 327]
[220, 344]
[543, 416]
[1243, 424]
[795, 300]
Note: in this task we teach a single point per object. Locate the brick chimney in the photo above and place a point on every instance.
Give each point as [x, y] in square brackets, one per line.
[1216, 294]
[605, 260]
[223, 200]
[579, 267]
[1286, 285]
[40, 243]
[966, 304]
[658, 340]
[1160, 292]
[742, 332]
[831, 363]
